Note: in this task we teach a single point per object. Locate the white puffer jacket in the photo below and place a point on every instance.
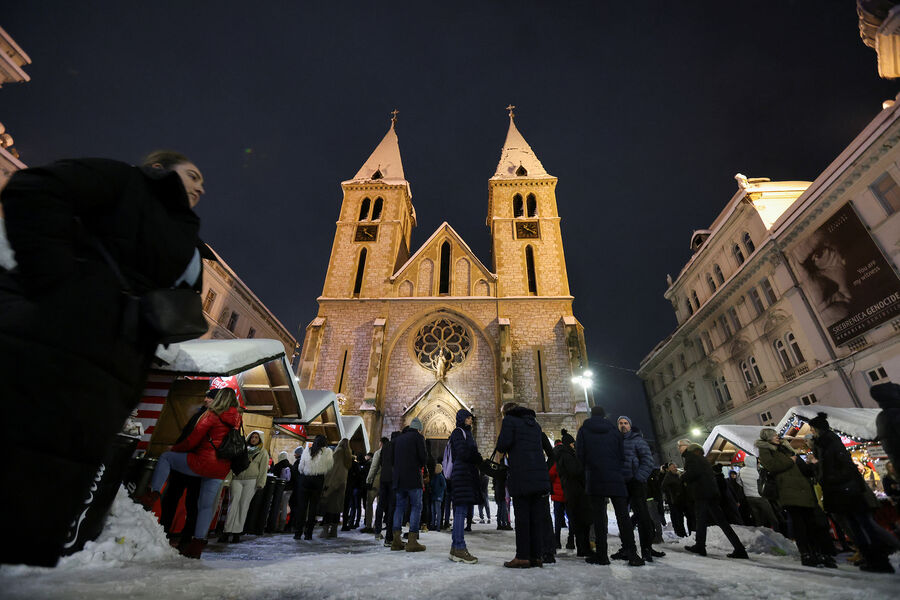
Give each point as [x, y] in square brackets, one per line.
[320, 465]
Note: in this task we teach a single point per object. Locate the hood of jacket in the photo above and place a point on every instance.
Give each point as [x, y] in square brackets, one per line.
[600, 425]
[231, 416]
[526, 414]
[461, 416]
[887, 395]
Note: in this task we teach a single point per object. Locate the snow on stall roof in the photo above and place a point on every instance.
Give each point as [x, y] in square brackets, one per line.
[316, 402]
[741, 436]
[218, 357]
[351, 424]
[858, 422]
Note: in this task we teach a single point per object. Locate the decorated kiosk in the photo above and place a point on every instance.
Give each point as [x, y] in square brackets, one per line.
[729, 444]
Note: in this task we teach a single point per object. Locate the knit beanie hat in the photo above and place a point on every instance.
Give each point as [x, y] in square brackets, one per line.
[416, 424]
[820, 421]
[597, 411]
[567, 438]
[298, 451]
[623, 417]
[282, 456]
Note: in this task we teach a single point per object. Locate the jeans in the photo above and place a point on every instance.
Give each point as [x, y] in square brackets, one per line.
[414, 498]
[436, 514]
[209, 487]
[457, 538]
[530, 510]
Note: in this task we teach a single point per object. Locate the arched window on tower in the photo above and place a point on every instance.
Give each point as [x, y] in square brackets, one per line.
[518, 209]
[718, 271]
[748, 243]
[359, 273]
[521, 171]
[444, 286]
[531, 205]
[364, 209]
[738, 255]
[376, 210]
[529, 266]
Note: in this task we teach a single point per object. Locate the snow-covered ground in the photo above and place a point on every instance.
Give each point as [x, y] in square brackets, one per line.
[132, 561]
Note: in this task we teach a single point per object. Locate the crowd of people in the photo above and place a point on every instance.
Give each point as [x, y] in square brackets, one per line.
[548, 487]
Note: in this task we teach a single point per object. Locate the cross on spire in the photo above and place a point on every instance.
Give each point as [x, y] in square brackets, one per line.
[394, 114]
[510, 109]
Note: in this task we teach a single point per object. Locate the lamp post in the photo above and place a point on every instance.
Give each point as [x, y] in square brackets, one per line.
[585, 380]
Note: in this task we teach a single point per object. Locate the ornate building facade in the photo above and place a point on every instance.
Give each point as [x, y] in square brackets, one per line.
[404, 334]
[791, 297]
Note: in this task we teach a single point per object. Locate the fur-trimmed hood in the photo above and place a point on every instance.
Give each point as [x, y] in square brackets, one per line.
[320, 465]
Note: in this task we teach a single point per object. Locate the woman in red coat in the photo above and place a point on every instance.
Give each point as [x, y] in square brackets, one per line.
[196, 456]
[559, 502]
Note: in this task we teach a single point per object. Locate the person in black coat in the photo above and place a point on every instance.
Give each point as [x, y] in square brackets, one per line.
[702, 487]
[600, 448]
[386, 496]
[62, 312]
[521, 440]
[410, 458]
[887, 395]
[464, 483]
[673, 491]
[571, 475]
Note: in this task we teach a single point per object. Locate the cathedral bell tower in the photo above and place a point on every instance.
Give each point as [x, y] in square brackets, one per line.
[526, 249]
[373, 230]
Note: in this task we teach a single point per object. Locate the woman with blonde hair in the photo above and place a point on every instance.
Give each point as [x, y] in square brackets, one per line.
[196, 456]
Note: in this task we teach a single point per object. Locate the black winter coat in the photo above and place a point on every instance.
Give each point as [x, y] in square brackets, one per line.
[521, 439]
[409, 460]
[843, 487]
[62, 313]
[465, 481]
[699, 479]
[673, 489]
[600, 448]
[387, 461]
[571, 475]
[887, 395]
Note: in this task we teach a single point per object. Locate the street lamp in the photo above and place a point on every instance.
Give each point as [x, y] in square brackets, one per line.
[585, 380]
[696, 432]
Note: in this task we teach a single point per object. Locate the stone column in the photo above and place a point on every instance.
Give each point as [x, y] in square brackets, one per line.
[310, 357]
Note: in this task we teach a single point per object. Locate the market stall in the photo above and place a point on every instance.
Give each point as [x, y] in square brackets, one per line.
[728, 444]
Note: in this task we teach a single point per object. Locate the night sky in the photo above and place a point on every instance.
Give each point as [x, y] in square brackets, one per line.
[643, 110]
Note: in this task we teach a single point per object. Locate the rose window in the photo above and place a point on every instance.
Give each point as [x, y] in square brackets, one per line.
[441, 345]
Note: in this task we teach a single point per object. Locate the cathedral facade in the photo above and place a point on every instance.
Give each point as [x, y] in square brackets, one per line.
[402, 334]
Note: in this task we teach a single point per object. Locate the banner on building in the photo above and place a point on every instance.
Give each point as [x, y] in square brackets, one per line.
[850, 284]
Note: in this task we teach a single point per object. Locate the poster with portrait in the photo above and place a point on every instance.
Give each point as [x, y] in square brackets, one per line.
[846, 277]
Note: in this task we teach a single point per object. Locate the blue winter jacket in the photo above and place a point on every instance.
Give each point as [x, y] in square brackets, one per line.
[465, 482]
[438, 487]
[521, 439]
[639, 463]
[600, 448]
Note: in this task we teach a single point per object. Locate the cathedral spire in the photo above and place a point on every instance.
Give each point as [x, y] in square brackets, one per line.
[517, 159]
[384, 163]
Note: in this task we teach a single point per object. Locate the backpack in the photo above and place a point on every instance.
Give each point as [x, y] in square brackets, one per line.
[766, 485]
[233, 448]
[447, 462]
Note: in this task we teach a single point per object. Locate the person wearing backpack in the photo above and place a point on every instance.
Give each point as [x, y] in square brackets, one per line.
[461, 460]
[244, 486]
[197, 455]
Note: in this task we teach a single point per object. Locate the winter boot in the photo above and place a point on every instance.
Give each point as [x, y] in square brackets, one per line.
[147, 499]
[646, 555]
[696, 549]
[634, 560]
[620, 554]
[194, 548]
[738, 553]
[808, 559]
[597, 559]
[345, 527]
[828, 561]
[413, 545]
[462, 556]
[235, 538]
[397, 542]
[223, 539]
[656, 553]
[570, 541]
[548, 559]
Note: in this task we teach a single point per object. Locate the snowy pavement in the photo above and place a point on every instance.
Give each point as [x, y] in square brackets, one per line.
[130, 560]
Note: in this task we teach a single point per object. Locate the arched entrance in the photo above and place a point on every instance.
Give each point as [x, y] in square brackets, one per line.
[436, 408]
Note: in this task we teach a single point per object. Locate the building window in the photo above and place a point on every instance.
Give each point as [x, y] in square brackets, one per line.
[681, 410]
[726, 328]
[748, 243]
[531, 205]
[360, 269]
[521, 171]
[376, 210]
[540, 373]
[702, 346]
[756, 302]
[529, 266]
[232, 321]
[795, 347]
[738, 255]
[756, 372]
[708, 341]
[684, 366]
[748, 377]
[781, 353]
[718, 271]
[444, 284]
[690, 308]
[695, 299]
[808, 399]
[208, 301]
[766, 418]
[733, 317]
[711, 284]
[720, 398]
[887, 192]
[877, 375]
[725, 389]
[251, 334]
[364, 209]
[768, 291]
[518, 210]
[671, 368]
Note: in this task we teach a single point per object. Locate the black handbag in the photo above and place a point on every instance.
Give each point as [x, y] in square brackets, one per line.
[233, 448]
[166, 315]
[491, 468]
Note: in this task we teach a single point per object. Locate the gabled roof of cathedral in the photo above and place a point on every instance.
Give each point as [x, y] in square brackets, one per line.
[445, 226]
[517, 159]
[384, 164]
[428, 391]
